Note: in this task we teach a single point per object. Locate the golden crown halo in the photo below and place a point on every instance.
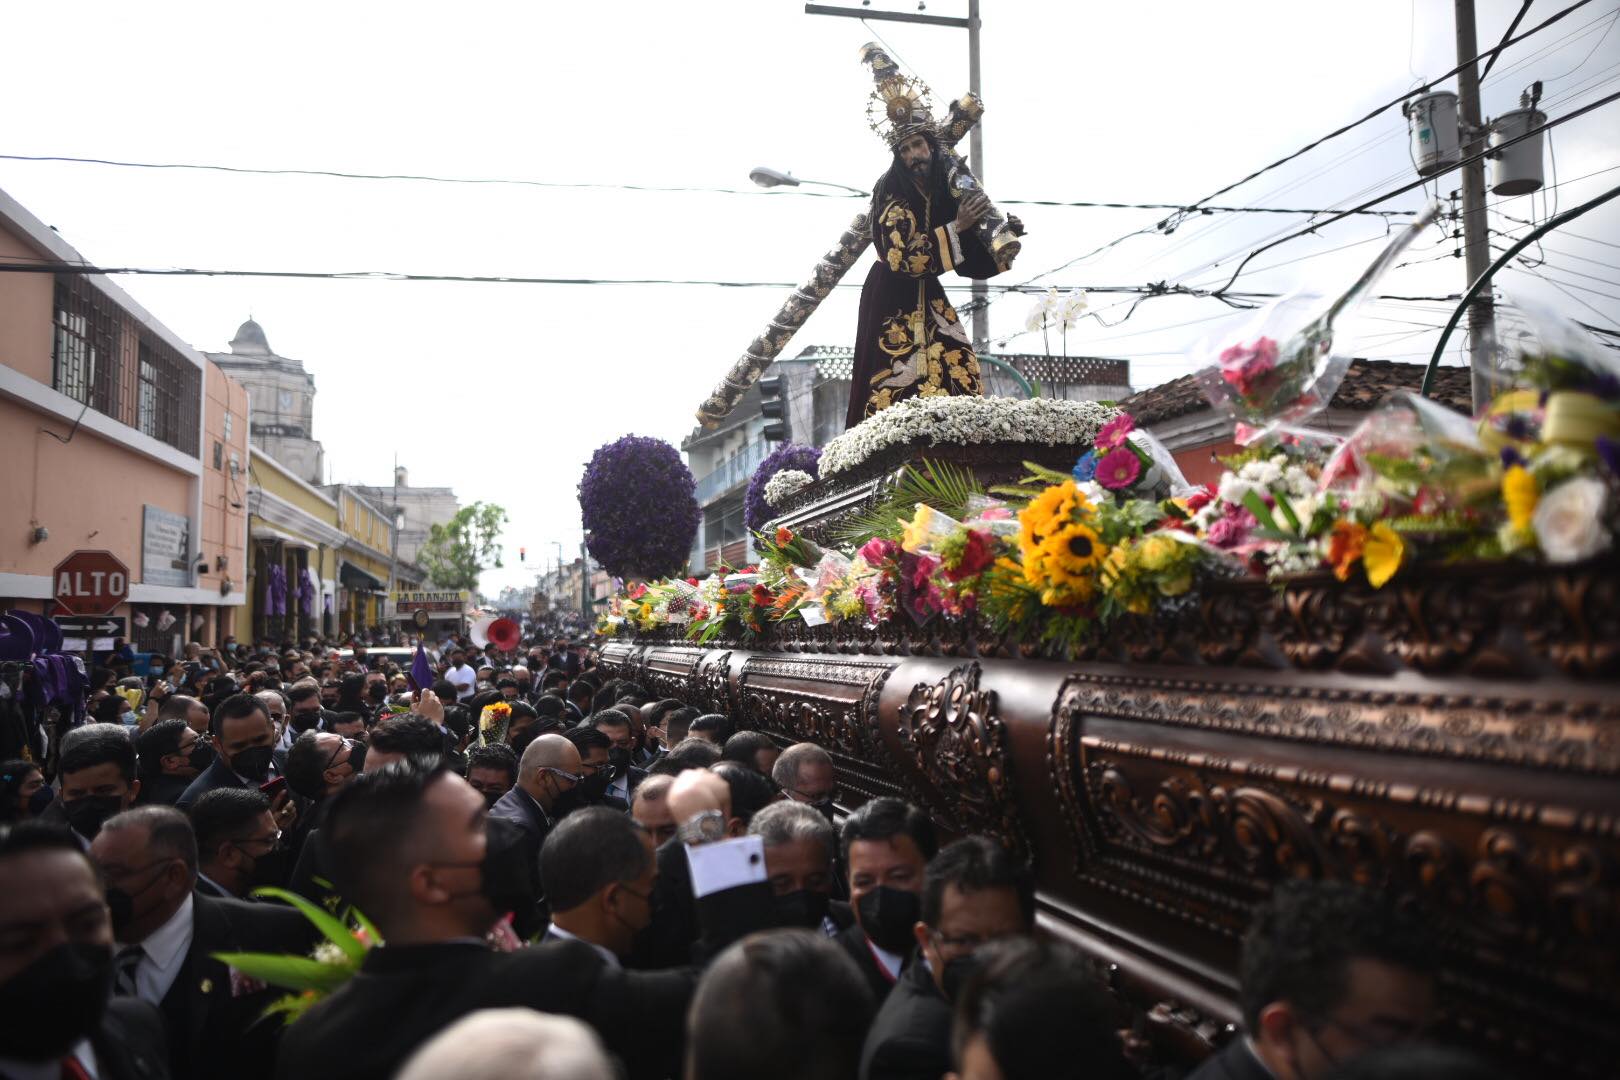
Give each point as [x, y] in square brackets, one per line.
[900, 107]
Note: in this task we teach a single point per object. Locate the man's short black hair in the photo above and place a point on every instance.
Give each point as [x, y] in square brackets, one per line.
[176, 706]
[234, 708]
[306, 766]
[157, 742]
[587, 738]
[301, 692]
[407, 733]
[751, 790]
[551, 677]
[97, 744]
[388, 803]
[711, 722]
[224, 814]
[550, 706]
[504, 681]
[1300, 943]
[589, 850]
[788, 1004]
[493, 756]
[607, 718]
[36, 835]
[885, 819]
[444, 688]
[744, 747]
[687, 754]
[972, 864]
[579, 690]
[1040, 1009]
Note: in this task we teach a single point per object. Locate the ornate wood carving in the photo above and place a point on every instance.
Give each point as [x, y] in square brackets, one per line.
[956, 739]
[667, 670]
[821, 700]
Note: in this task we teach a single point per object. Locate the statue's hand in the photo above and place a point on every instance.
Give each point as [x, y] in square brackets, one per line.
[972, 208]
[1015, 226]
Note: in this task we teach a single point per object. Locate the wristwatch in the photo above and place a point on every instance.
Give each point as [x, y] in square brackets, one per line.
[704, 827]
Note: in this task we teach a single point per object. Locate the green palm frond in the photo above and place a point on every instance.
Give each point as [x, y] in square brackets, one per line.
[335, 931]
[939, 484]
[287, 972]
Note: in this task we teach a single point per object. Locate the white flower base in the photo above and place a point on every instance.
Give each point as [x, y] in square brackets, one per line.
[930, 421]
[784, 483]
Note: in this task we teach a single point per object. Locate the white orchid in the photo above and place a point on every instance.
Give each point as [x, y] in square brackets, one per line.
[1072, 307]
[1044, 312]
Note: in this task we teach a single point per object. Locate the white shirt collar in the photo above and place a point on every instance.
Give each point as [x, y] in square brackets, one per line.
[165, 950]
[891, 962]
[606, 953]
[14, 1069]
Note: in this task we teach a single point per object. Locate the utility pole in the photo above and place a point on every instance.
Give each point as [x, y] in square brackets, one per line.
[585, 583]
[981, 291]
[1476, 240]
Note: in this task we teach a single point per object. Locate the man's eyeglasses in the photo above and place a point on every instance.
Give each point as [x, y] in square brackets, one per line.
[824, 799]
[576, 778]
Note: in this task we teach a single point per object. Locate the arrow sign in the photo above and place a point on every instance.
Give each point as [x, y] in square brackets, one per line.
[91, 626]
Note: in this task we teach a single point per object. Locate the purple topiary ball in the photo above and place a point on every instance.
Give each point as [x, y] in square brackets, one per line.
[756, 511]
[638, 504]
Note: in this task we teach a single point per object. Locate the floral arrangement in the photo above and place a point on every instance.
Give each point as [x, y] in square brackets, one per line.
[493, 722]
[965, 420]
[785, 484]
[756, 501]
[639, 507]
[1057, 558]
[308, 978]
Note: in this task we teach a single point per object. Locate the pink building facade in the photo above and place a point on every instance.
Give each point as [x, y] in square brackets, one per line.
[117, 436]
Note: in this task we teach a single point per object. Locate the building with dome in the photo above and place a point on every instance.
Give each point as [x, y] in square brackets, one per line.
[283, 398]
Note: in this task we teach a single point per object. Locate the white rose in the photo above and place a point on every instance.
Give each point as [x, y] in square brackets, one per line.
[1569, 521]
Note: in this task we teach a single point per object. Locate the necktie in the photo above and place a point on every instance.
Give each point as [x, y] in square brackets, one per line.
[73, 1069]
[129, 959]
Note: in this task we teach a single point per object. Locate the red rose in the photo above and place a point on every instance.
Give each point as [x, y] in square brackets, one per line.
[977, 555]
[761, 596]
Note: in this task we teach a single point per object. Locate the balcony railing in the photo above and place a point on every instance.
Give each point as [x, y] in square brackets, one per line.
[732, 472]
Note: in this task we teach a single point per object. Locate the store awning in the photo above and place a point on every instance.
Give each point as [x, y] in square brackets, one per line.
[261, 531]
[352, 577]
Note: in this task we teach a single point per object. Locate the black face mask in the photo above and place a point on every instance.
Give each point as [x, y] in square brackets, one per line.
[201, 756]
[569, 801]
[305, 721]
[888, 917]
[620, 760]
[802, 908]
[253, 763]
[824, 807]
[272, 868]
[958, 970]
[39, 800]
[357, 758]
[593, 787]
[87, 813]
[55, 1001]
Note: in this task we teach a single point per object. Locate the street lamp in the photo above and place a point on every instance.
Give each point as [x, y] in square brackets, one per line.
[767, 177]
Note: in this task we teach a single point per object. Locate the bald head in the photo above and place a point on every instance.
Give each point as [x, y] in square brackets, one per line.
[546, 766]
[650, 808]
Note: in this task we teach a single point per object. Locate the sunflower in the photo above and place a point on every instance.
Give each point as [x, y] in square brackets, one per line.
[1048, 512]
[1072, 554]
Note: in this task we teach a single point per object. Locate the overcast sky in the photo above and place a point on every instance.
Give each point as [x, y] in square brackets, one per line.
[503, 391]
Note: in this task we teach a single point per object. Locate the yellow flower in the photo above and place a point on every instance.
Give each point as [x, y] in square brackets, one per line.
[1157, 552]
[916, 534]
[1072, 553]
[1520, 495]
[1382, 554]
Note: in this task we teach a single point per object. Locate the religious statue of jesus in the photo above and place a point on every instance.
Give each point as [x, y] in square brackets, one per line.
[909, 341]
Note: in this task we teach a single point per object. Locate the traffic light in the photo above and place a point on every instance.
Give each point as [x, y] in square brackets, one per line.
[773, 405]
[523, 554]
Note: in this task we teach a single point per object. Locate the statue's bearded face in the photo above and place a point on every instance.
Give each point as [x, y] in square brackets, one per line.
[916, 155]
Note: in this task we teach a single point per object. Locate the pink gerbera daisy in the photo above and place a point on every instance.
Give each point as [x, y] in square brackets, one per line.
[1114, 432]
[1118, 469]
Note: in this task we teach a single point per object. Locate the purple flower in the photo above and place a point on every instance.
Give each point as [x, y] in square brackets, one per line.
[638, 507]
[1609, 453]
[756, 511]
[1086, 467]
[1231, 530]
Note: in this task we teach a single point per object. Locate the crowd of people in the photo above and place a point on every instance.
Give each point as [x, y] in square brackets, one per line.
[561, 876]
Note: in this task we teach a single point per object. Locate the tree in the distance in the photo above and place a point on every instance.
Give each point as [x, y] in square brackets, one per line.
[468, 543]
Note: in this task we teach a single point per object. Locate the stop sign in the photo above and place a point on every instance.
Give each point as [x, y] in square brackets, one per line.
[90, 583]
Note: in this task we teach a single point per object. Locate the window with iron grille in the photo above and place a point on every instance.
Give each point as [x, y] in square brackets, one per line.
[84, 353]
[167, 396]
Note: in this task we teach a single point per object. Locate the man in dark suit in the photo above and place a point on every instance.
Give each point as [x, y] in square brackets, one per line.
[621, 787]
[548, 771]
[1329, 971]
[887, 844]
[169, 934]
[410, 844]
[597, 870]
[244, 748]
[975, 891]
[58, 1019]
[171, 756]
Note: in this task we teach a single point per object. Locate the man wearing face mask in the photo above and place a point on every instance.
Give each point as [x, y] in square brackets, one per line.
[597, 869]
[804, 772]
[168, 936]
[427, 891]
[621, 788]
[974, 891]
[97, 778]
[887, 845]
[244, 745]
[56, 970]
[171, 756]
[595, 750]
[549, 773]
[798, 864]
[303, 708]
[239, 848]
[491, 770]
